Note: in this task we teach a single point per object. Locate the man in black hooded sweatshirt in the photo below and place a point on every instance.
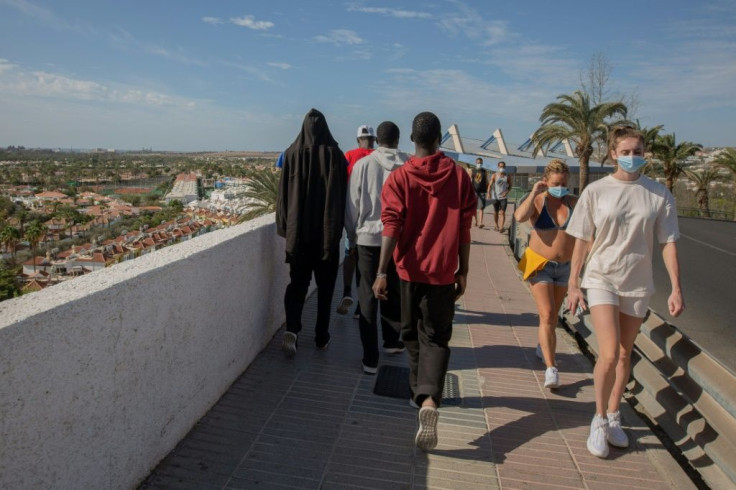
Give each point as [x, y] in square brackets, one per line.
[310, 210]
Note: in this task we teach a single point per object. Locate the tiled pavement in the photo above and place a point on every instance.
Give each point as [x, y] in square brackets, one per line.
[314, 422]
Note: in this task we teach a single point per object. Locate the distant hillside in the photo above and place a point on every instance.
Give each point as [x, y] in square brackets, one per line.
[250, 154]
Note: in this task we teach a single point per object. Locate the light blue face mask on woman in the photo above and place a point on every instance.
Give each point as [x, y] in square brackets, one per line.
[631, 163]
[558, 191]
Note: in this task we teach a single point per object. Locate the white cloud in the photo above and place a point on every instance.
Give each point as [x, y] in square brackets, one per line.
[283, 66]
[177, 56]
[250, 70]
[401, 14]
[5, 65]
[212, 20]
[536, 62]
[696, 76]
[469, 22]
[31, 9]
[250, 22]
[340, 37]
[19, 83]
[46, 16]
[63, 123]
[466, 97]
[126, 40]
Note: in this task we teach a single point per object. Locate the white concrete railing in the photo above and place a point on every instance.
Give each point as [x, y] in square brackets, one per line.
[100, 377]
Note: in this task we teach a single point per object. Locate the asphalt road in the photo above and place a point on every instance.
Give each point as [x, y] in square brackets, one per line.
[707, 251]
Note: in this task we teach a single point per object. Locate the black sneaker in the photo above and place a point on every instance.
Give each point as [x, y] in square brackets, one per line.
[325, 344]
[345, 303]
[394, 348]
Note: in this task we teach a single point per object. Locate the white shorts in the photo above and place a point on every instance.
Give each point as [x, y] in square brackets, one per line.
[628, 305]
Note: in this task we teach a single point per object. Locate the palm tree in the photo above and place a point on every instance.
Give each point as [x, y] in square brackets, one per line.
[702, 179]
[9, 237]
[35, 234]
[672, 156]
[727, 159]
[262, 191]
[650, 137]
[573, 118]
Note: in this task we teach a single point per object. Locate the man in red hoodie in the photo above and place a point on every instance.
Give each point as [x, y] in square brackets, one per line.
[428, 207]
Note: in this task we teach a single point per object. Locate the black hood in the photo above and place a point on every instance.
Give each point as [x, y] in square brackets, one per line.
[315, 132]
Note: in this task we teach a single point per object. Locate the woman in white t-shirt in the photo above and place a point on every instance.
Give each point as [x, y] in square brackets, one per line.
[615, 223]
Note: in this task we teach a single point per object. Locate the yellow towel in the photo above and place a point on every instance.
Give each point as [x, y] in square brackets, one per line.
[531, 262]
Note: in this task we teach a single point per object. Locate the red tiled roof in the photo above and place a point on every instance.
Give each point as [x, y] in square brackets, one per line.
[38, 260]
[34, 285]
[51, 195]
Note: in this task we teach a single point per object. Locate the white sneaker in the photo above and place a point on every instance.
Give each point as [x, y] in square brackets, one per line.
[597, 440]
[426, 437]
[539, 353]
[616, 435]
[551, 378]
[370, 369]
[345, 304]
[289, 344]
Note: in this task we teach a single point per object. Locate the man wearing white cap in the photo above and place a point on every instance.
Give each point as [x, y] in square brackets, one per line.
[366, 139]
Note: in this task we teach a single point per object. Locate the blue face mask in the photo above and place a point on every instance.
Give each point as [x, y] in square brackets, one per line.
[631, 164]
[558, 191]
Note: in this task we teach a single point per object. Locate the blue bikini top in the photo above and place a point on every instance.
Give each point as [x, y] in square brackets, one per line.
[545, 220]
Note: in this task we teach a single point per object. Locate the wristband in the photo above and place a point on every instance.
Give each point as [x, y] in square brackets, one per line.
[380, 275]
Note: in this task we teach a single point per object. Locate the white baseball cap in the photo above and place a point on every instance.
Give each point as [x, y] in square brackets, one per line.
[366, 131]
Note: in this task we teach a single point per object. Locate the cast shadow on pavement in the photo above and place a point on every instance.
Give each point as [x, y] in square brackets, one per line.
[495, 445]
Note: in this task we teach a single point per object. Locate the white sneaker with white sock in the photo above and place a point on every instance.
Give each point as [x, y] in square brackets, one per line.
[551, 378]
[597, 440]
[616, 435]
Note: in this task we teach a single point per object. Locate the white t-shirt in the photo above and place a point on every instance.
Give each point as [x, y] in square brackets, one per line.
[621, 218]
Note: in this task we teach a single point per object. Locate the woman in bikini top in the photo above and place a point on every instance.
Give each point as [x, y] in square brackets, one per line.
[546, 261]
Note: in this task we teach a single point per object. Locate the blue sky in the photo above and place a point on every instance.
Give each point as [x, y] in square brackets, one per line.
[240, 75]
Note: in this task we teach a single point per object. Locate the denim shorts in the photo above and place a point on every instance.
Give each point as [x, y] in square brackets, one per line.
[557, 273]
[481, 200]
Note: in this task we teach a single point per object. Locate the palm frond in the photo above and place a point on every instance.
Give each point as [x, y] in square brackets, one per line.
[727, 160]
[262, 192]
[702, 178]
[572, 117]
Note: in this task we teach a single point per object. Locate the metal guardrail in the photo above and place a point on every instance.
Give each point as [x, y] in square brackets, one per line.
[699, 213]
[682, 388]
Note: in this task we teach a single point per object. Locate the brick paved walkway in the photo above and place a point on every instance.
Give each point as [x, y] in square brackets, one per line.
[314, 422]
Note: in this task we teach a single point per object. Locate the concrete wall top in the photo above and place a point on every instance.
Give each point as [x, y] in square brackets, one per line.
[103, 375]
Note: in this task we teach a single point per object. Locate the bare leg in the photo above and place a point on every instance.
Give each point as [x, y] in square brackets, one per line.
[495, 218]
[605, 323]
[544, 296]
[503, 219]
[629, 329]
[479, 217]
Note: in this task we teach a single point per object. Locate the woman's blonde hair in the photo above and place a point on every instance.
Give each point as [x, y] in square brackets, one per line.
[618, 133]
[556, 166]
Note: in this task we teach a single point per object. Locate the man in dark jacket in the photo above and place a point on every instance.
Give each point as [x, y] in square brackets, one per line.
[480, 183]
[310, 210]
